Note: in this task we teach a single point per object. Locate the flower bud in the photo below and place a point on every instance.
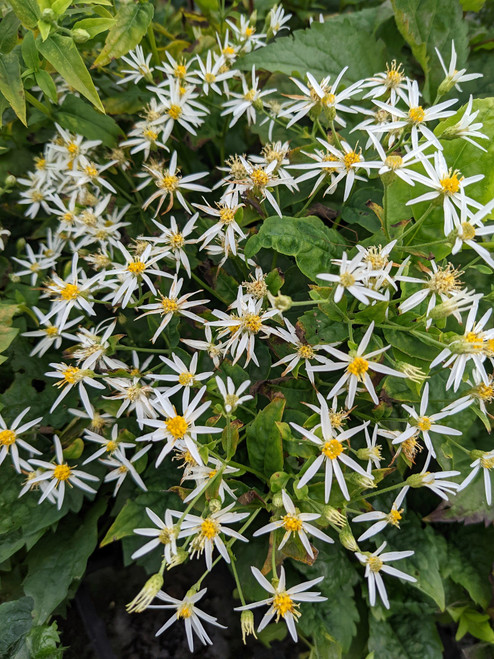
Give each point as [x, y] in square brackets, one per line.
[48, 15]
[179, 558]
[330, 113]
[146, 595]
[214, 505]
[476, 454]
[277, 500]
[247, 625]
[415, 480]
[334, 516]
[347, 539]
[280, 302]
[10, 180]
[80, 36]
[447, 85]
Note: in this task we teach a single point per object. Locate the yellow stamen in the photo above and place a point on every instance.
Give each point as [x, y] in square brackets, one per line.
[177, 426]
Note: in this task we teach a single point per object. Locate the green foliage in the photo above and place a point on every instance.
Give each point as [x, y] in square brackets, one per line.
[264, 442]
[130, 25]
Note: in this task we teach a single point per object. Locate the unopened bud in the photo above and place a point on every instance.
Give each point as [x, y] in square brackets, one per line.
[214, 505]
[447, 85]
[80, 36]
[258, 104]
[330, 113]
[48, 15]
[334, 516]
[347, 539]
[146, 595]
[415, 480]
[247, 625]
[10, 180]
[280, 302]
[277, 500]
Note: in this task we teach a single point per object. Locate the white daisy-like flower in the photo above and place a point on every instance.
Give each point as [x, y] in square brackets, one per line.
[381, 519]
[245, 34]
[173, 240]
[277, 20]
[70, 377]
[34, 264]
[179, 106]
[183, 375]
[51, 336]
[484, 462]
[30, 474]
[212, 72]
[283, 602]
[352, 278]
[476, 345]
[375, 563]
[164, 533]
[72, 148]
[226, 226]
[91, 172]
[466, 129]
[215, 350]
[397, 163]
[144, 137]
[468, 227]
[232, 396]
[247, 101]
[427, 423]
[393, 81]
[304, 352]
[206, 532]
[171, 184]
[121, 467]
[135, 397]
[186, 610]
[202, 474]
[295, 523]
[447, 184]
[139, 67]
[331, 454]
[60, 475]
[107, 446]
[416, 117]
[10, 440]
[357, 365]
[453, 76]
[177, 70]
[435, 481]
[179, 430]
[173, 305]
[91, 348]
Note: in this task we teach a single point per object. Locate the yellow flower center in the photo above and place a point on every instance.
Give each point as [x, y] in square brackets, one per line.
[209, 78]
[150, 134]
[169, 305]
[347, 279]
[484, 391]
[375, 563]
[186, 379]
[394, 162]
[91, 171]
[424, 423]
[180, 71]
[249, 31]
[7, 437]
[228, 51]
[68, 217]
[111, 446]
[185, 611]
[467, 231]
[450, 184]
[332, 449]
[475, 340]
[174, 111]
[168, 182]
[70, 375]
[69, 292]
[40, 163]
[259, 177]
[358, 367]
[177, 426]
[416, 115]
[51, 330]
[283, 604]
[393, 78]
[166, 536]
[445, 280]
[328, 99]
[351, 158]
[252, 323]
[487, 463]
[62, 472]
[136, 267]
[231, 399]
[395, 516]
[227, 215]
[306, 352]
[176, 240]
[292, 523]
[209, 528]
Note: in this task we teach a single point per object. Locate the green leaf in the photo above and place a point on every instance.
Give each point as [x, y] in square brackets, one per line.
[29, 52]
[131, 23]
[8, 32]
[60, 6]
[405, 636]
[44, 29]
[472, 5]
[15, 623]
[468, 561]
[11, 84]
[264, 443]
[58, 559]
[429, 24]
[46, 84]
[43, 641]
[63, 55]
[79, 117]
[307, 238]
[27, 11]
[326, 48]
[94, 26]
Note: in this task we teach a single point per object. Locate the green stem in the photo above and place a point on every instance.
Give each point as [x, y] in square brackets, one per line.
[416, 226]
[385, 211]
[235, 576]
[152, 43]
[38, 105]
[458, 445]
[154, 350]
[374, 494]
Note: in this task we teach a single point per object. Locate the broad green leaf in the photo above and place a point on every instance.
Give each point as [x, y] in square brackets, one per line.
[405, 636]
[326, 48]
[94, 26]
[264, 443]
[60, 558]
[7, 332]
[15, 623]
[131, 23]
[43, 641]
[44, 29]
[27, 11]
[60, 6]
[429, 24]
[79, 117]
[63, 55]
[8, 32]
[29, 52]
[469, 562]
[11, 84]
[306, 238]
[472, 5]
[45, 82]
